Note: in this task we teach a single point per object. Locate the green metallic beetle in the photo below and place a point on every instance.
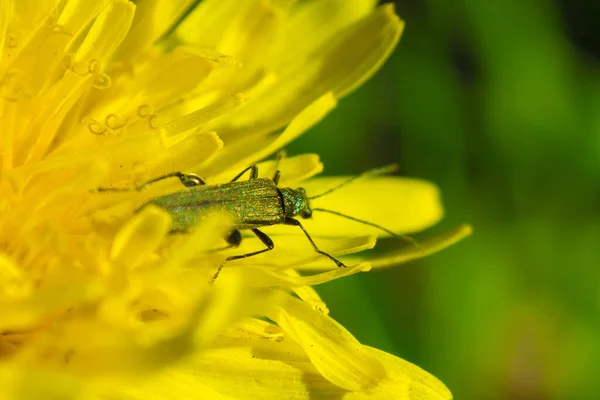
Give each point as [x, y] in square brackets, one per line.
[253, 203]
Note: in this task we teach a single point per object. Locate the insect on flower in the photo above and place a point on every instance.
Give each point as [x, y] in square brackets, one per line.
[254, 203]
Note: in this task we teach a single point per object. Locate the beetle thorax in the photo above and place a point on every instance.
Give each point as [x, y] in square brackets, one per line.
[295, 202]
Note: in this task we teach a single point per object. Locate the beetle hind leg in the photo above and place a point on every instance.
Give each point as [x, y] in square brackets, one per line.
[234, 239]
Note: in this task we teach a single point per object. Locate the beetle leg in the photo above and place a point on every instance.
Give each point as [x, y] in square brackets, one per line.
[263, 238]
[276, 177]
[188, 180]
[234, 239]
[277, 173]
[280, 155]
[295, 222]
[253, 173]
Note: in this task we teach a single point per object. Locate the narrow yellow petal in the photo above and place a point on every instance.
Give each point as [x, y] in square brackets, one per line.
[127, 152]
[107, 32]
[296, 250]
[268, 278]
[305, 120]
[207, 23]
[6, 12]
[62, 203]
[406, 253]
[293, 169]
[19, 383]
[206, 236]
[427, 247]
[140, 236]
[185, 155]
[76, 14]
[152, 19]
[309, 295]
[202, 116]
[240, 154]
[25, 313]
[28, 12]
[249, 36]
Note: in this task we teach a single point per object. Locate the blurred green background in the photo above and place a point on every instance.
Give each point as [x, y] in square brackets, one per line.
[497, 102]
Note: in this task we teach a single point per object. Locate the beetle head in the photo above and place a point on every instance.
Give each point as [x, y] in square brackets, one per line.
[295, 203]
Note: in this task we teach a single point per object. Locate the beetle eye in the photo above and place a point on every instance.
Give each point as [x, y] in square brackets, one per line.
[301, 190]
[306, 214]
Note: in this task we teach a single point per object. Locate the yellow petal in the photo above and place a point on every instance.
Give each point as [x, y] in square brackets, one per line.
[337, 355]
[241, 154]
[252, 361]
[138, 99]
[140, 236]
[203, 238]
[184, 155]
[265, 277]
[311, 24]
[401, 205]
[19, 383]
[107, 32]
[249, 35]
[27, 12]
[76, 14]
[427, 247]
[25, 313]
[255, 360]
[131, 312]
[207, 23]
[406, 253]
[297, 250]
[309, 295]
[339, 66]
[366, 47]
[293, 169]
[204, 115]
[403, 381]
[6, 13]
[152, 19]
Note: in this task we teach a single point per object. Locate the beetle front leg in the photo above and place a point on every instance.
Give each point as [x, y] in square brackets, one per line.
[267, 241]
[253, 173]
[295, 222]
[280, 155]
[188, 180]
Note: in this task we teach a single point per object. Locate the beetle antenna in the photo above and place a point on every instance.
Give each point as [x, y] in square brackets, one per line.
[361, 221]
[375, 171]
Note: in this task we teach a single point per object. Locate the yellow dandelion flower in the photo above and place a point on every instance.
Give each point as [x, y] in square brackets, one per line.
[99, 300]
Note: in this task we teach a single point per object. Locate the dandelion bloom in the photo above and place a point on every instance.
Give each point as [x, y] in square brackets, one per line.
[99, 300]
